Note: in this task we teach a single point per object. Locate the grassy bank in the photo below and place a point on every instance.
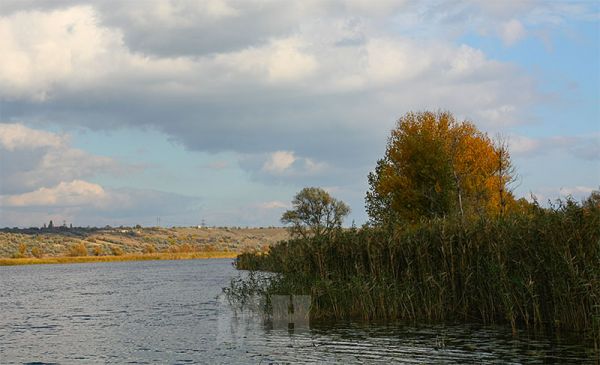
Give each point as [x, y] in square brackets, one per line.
[134, 240]
[539, 269]
[128, 257]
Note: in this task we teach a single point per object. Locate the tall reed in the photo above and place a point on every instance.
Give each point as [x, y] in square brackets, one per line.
[538, 269]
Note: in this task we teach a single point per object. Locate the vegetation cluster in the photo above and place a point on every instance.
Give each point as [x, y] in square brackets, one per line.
[77, 241]
[447, 241]
[539, 270]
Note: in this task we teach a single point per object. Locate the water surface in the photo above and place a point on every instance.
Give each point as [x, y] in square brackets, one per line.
[171, 312]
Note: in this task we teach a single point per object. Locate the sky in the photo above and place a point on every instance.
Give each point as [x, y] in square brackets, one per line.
[219, 111]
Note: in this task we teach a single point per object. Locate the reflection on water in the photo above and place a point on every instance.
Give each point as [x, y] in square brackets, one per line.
[169, 312]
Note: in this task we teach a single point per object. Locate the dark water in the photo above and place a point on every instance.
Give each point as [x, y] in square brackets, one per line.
[168, 312]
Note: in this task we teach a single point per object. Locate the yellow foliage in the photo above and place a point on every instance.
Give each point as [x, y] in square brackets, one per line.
[37, 252]
[98, 251]
[184, 248]
[435, 166]
[116, 251]
[149, 248]
[78, 250]
[21, 251]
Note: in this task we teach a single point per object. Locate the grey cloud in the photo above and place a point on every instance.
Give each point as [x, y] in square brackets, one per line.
[194, 28]
[181, 76]
[340, 114]
[334, 127]
[343, 127]
[189, 30]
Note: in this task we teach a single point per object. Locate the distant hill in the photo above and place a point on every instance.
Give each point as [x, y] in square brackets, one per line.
[103, 241]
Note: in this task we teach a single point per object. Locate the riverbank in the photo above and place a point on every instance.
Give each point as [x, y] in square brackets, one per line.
[60, 241]
[128, 257]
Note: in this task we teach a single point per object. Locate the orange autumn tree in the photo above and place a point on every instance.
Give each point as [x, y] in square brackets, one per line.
[435, 166]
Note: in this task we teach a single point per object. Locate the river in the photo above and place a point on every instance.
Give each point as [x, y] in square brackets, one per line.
[172, 312]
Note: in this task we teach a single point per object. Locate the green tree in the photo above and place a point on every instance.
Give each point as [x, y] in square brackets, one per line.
[377, 203]
[315, 213]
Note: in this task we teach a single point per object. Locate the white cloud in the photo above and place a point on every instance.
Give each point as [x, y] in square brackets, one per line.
[68, 50]
[521, 145]
[84, 203]
[313, 167]
[318, 78]
[74, 193]
[320, 82]
[69, 53]
[32, 159]
[577, 191]
[511, 32]
[286, 164]
[581, 147]
[43, 177]
[17, 136]
[287, 62]
[279, 161]
[282, 60]
[275, 204]
[392, 61]
[181, 13]
[41, 49]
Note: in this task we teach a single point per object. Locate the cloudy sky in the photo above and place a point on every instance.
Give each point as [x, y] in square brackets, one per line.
[119, 112]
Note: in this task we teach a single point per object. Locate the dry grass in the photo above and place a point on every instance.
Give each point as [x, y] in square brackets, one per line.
[129, 257]
[102, 241]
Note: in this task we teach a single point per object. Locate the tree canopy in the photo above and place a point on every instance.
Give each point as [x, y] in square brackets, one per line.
[435, 166]
[315, 213]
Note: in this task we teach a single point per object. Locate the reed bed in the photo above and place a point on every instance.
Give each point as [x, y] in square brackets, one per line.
[126, 257]
[538, 269]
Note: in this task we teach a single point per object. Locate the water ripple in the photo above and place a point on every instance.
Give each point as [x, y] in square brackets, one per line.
[166, 312]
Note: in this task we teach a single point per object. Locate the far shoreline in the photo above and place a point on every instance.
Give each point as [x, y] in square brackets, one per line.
[121, 258]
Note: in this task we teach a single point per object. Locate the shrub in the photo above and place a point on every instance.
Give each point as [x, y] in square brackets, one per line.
[78, 250]
[186, 247]
[23, 250]
[149, 248]
[98, 251]
[117, 251]
[37, 252]
[17, 255]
